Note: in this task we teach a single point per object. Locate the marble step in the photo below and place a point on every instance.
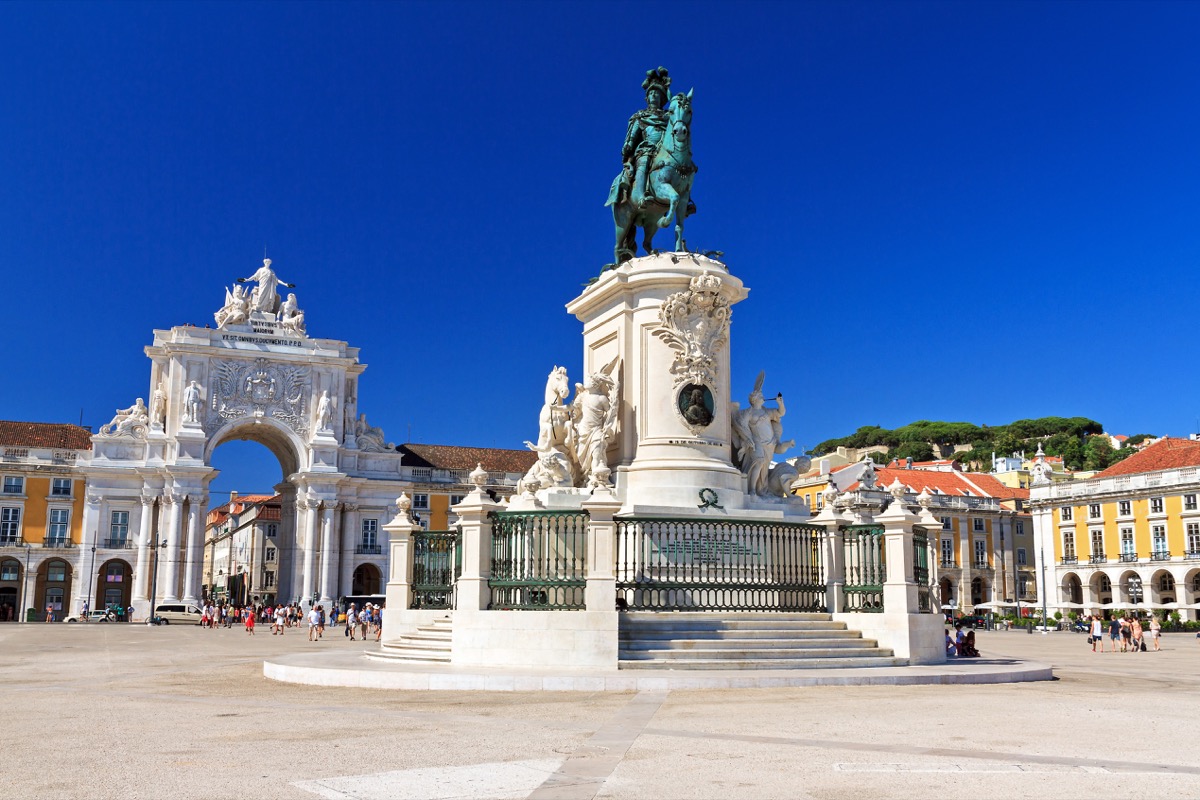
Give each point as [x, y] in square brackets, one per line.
[782, 653]
[799, 663]
[844, 643]
[655, 634]
[729, 625]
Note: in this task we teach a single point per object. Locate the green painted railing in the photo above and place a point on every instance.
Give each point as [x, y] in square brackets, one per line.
[437, 563]
[719, 565]
[921, 569]
[538, 559]
[865, 568]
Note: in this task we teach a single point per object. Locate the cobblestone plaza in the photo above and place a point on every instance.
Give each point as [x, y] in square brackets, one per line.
[107, 710]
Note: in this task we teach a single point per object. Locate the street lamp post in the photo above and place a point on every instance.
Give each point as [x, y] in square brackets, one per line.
[154, 547]
[1135, 589]
[87, 601]
[1045, 591]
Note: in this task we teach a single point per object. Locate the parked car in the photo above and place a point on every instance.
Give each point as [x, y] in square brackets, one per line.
[177, 613]
[972, 621]
[96, 615]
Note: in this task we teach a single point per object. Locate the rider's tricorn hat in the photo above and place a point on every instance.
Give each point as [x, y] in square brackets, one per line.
[657, 79]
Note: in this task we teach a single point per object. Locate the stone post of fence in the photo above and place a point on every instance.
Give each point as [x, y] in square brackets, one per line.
[472, 592]
[601, 591]
[833, 552]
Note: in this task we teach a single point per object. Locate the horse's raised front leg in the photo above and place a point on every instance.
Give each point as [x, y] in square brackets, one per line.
[667, 193]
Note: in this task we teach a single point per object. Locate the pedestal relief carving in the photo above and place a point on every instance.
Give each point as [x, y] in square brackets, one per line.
[695, 323]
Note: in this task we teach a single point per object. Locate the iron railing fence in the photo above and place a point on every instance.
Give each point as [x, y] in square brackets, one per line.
[719, 565]
[436, 565]
[538, 560]
[865, 570]
[921, 572]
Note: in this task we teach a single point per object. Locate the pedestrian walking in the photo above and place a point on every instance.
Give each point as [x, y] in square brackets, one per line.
[1135, 630]
[1155, 631]
[314, 619]
[1114, 633]
[1097, 634]
[250, 621]
[351, 620]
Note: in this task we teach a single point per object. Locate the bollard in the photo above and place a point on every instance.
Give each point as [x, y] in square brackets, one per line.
[1030, 629]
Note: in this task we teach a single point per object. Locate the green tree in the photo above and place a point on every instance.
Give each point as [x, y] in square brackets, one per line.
[917, 451]
[1097, 452]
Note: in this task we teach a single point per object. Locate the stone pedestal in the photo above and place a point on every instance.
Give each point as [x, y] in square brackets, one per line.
[661, 459]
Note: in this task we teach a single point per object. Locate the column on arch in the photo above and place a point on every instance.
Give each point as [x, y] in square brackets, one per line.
[329, 552]
[141, 581]
[308, 510]
[80, 582]
[170, 557]
[350, 536]
[194, 555]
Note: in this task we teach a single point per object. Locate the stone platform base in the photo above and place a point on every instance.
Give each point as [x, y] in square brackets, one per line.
[354, 670]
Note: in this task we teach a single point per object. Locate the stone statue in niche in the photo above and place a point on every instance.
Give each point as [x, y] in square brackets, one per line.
[291, 318]
[130, 421]
[696, 405]
[325, 412]
[265, 297]
[192, 402]
[757, 439]
[370, 439]
[236, 309]
[158, 407]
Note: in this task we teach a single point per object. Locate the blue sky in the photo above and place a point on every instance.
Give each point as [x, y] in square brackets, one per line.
[959, 211]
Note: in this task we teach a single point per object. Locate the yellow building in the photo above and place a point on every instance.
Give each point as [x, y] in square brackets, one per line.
[439, 476]
[41, 519]
[1129, 536]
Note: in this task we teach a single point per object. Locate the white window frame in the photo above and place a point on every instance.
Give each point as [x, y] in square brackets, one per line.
[10, 523]
[1069, 545]
[58, 524]
[981, 555]
[1193, 537]
[1094, 511]
[268, 579]
[56, 488]
[1124, 508]
[977, 525]
[947, 550]
[114, 526]
[947, 524]
[1022, 557]
[1157, 505]
[1066, 514]
[1158, 539]
[13, 485]
[1128, 547]
[1189, 502]
[1020, 528]
[369, 532]
[269, 554]
[1096, 537]
[421, 501]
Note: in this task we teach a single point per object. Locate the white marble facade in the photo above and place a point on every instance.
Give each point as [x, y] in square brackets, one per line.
[258, 376]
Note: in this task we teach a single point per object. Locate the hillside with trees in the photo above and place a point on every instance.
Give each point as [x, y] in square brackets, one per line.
[1073, 438]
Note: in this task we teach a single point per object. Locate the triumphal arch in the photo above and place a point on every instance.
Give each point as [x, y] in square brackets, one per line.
[257, 375]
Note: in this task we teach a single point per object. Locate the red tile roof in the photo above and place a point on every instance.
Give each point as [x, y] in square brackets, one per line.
[953, 484]
[442, 456]
[54, 435]
[1163, 454]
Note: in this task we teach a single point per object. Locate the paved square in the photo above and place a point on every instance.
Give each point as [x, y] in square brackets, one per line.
[100, 711]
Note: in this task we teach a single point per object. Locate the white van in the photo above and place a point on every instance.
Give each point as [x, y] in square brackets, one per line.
[178, 613]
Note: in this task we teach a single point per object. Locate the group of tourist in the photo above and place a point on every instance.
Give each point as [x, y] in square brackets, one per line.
[365, 621]
[1126, 632]
[962, 644]
[360, 623]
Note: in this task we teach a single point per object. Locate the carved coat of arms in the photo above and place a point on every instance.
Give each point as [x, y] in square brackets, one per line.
[258, 389]
[695, 324]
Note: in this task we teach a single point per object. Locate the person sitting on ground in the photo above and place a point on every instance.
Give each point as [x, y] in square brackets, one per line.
[968, 647]
[951, 648]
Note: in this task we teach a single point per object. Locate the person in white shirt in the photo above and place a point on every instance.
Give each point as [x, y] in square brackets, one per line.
[314, 619]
